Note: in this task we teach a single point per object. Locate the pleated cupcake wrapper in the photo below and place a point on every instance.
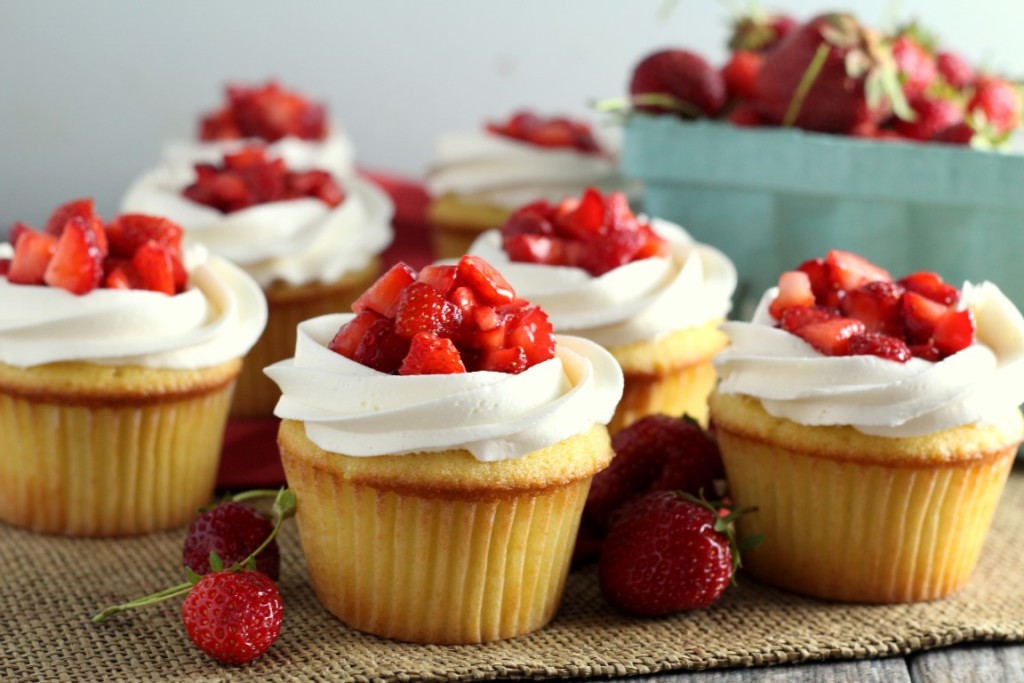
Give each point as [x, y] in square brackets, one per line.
[432, 570]
[256, 395]
[676, 393]
[109, 471]
[862, 532]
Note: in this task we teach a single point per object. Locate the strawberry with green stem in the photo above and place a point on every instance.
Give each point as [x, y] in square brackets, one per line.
[233, 613]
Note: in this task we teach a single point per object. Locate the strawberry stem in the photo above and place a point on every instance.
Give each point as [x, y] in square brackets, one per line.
[653, 99]
[804, 86]
[284, 507]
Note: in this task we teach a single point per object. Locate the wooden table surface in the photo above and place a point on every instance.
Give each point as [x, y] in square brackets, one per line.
[973, 663]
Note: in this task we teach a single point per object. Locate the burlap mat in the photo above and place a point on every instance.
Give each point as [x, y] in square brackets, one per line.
[50, 586]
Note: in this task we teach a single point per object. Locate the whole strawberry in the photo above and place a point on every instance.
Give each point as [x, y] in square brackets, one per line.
[996, 105]
[829, 75]
[233, 531]
[667, 553]
[233, 616]
[689, 85]
[655, 453]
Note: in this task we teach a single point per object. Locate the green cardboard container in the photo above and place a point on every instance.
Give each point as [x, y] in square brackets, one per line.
[771, 198]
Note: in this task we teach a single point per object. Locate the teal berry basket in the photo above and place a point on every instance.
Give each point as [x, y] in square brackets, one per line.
[771, 198]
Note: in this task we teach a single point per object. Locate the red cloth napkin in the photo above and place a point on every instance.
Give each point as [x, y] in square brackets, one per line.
[250, 458]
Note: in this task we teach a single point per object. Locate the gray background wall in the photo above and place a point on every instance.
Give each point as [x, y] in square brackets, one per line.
[89, 89]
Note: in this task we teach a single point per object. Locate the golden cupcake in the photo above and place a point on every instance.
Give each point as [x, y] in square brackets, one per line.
[118, 358]
[480, 177]
[643, 289]
[873, 424]
[440, 442]
[311, 239]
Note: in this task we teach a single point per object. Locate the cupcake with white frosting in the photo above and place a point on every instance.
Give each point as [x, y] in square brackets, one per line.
[311, 239]
[118, 357]
[873, 423]
[441, 441]
[479, 177]
[642, 288]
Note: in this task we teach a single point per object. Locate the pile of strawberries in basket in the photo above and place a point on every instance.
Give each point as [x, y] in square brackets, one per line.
[834, 74]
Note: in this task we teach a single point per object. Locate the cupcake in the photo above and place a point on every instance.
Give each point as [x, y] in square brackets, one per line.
[441, 442]
[118, 355]
[287, 122]
[873, 423]
[479, 177]
[641, 288]
[311, 239]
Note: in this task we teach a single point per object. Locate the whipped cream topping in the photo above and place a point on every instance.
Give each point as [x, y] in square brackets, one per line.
[494, 169]
[640, 301]
[353, 409]
[216, 319]
[297, 241]
[334, 153]
[877, 396]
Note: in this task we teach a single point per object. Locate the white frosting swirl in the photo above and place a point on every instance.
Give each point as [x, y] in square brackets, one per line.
[218, 318]
[874, 395]
[297, 241]
[333, 154]
[353, 409]
[640, 301]
[494, 169]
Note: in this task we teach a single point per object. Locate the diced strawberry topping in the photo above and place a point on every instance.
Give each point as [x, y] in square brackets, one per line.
[932, 286]
[484, 279]
[32, 253]
[248, 178]
[78, 253]
[595, 232]
[445, 319]
[557, 131]
[77, 263]
[269, 112]
[914, 317]
[848, 271]
[430, 355]
[794, 290]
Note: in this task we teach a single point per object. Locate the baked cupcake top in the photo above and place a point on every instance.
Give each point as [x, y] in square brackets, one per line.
[289, 123]
[447, 358]
[840, 343]
[602, 273]
[274, 216]
[121, 293]
[525, 158]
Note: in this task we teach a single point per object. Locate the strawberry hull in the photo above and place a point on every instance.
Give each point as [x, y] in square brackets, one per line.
[771, 198]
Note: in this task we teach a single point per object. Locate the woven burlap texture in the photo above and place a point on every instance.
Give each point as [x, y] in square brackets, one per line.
[52, 585]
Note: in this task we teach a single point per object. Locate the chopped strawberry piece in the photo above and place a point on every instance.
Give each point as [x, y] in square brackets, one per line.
[83, 208]
[152, 263]
[430, 355]
[465, 298]
[611, 250]
[877, 305]
[381, 348]
[531, 219]
[927, 352]
[793, 319]
[920, 316]
[130, 231]
[32, 254]
[484, 279]
[848, 271]
[881, 345]
[586, 221]
[954, 332]
[421, 308]
[932, 286]
[531, 329]
[653, 245]
[534, 249]
[346, 341]
[382, 296]
[440, 278]
[15, 232]
[77, 263]
[794, 291]
[831, 337]
[825, 293]
[118, 278]
[511, 359]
